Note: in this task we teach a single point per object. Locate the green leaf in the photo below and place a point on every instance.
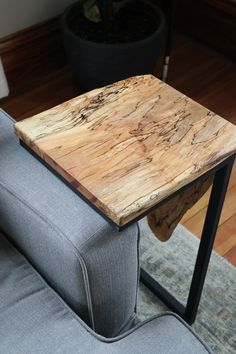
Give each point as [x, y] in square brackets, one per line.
[91, 11]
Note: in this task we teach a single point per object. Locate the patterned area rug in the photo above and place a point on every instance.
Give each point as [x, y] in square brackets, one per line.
[172, 264]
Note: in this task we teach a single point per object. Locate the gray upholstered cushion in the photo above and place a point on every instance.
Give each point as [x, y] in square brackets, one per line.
[34, 319]
[91, 265]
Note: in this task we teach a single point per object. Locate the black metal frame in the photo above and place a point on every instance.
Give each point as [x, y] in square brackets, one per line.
[216, 201]
[221, 178]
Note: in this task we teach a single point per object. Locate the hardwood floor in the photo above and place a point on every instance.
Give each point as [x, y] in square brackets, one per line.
[203, 74]
[31, 99]
[210, 79]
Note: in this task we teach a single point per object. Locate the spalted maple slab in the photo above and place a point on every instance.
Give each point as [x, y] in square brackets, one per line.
[164, 220]
[129, 145]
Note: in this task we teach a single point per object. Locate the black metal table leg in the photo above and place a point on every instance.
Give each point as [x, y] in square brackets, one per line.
[188, 312]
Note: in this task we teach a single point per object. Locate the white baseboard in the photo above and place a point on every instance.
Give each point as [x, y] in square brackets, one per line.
[4, 89]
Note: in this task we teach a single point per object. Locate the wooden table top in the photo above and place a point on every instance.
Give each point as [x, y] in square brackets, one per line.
[129, 145]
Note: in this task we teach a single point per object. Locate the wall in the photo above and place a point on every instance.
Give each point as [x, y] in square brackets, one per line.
[16, 15]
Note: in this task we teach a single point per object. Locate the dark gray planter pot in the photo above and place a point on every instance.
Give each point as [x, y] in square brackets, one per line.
[98, 64]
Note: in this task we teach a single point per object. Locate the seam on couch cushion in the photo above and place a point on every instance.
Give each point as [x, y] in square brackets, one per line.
[61, 235]
[138, 272]
[166, 314]
[85, 251]
[88, 292]
[128, 324]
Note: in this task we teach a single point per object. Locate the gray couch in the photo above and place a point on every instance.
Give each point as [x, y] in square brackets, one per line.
[68, 280]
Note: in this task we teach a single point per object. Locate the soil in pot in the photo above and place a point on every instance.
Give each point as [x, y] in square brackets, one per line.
[132, 23]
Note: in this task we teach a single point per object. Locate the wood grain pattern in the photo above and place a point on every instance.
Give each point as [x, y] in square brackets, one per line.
[129, 145]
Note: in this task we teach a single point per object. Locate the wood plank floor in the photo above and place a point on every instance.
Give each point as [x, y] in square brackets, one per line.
[203, 74]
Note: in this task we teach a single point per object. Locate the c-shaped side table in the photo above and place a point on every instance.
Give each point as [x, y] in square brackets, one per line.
[130, 147]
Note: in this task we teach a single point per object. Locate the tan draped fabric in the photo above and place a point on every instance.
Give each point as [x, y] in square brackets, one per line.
[164, 220]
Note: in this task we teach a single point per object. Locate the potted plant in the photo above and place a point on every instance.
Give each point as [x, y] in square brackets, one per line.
[109, 40]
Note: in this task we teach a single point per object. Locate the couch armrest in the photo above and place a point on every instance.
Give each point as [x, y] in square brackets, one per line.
[92, 266]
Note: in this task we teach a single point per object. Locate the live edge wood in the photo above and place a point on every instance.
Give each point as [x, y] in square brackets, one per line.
[129, 145]
[164, 220]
